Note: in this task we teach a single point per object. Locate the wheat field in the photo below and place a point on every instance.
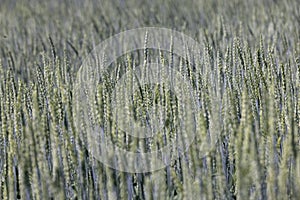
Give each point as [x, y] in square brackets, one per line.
[253, 49]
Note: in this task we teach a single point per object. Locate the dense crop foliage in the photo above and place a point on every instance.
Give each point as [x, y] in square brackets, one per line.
[253, 49]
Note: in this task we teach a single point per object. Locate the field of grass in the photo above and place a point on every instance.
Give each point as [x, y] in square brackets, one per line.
[252, 48]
